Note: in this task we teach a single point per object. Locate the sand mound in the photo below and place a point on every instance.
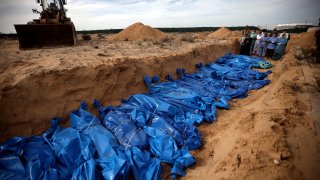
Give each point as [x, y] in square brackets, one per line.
[304, 40]
[220, 33]
[139, 31]
[237, 33]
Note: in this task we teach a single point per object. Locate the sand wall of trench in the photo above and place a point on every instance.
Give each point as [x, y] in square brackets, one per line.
[28, 106]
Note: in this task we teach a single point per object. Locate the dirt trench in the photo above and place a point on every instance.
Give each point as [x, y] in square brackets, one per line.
[28, 104]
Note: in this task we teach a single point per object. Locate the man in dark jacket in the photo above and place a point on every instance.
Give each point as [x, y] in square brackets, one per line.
[245, 43]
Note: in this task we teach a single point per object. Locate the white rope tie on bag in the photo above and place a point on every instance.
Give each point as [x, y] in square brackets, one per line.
[116, 128]
[89, 125]
[131, 138]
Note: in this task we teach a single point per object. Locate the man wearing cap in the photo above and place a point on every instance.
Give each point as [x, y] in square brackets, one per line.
[287, 36]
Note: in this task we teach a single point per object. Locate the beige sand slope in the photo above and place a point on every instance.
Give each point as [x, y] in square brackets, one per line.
[304, 40]
[139, 31]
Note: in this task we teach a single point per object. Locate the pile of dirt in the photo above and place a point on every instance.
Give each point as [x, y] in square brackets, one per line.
[237, 33]
[304, 40]
[220, 33]
[303, 45]
[139, 32]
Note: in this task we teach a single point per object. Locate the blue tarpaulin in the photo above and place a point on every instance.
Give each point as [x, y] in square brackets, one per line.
[136, 137]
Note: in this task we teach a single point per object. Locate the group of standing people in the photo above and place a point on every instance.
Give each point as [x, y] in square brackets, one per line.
[260, 43]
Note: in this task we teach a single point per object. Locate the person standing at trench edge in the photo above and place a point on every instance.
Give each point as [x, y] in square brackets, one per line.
[263, 45]
[273, 40]
[253, 37]
[281, 46]
[246, 30]
[256, 47]
[287, 36]
[245, 43]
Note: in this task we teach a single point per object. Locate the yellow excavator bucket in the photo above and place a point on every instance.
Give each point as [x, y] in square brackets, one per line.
[33, 36]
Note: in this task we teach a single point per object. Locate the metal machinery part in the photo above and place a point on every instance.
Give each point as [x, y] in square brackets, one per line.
[52, 29]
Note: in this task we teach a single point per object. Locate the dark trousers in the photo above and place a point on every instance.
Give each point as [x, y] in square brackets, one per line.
[270, 53]
[245, 50]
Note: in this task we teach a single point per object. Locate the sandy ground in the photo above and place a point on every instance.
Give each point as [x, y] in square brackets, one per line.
[272, 134]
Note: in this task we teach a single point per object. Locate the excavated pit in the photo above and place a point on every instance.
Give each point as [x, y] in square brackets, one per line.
[277, 123]
[43, 87]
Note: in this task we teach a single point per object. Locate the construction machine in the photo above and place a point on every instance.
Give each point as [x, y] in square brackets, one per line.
[52, 29]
